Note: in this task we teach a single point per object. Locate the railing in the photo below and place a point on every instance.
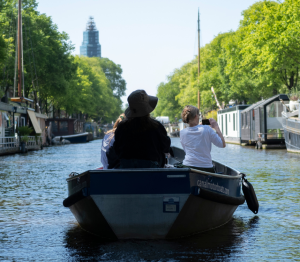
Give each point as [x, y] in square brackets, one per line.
[9, 144]
[33, 142]
[278, 135]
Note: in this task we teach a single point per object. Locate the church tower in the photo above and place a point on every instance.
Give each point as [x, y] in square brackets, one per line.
[90, 45]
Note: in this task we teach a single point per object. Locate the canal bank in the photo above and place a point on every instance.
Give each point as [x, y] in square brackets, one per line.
[35, 226]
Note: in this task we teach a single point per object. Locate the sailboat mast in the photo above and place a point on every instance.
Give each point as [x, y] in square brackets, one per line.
[198, 57]
[20, 49]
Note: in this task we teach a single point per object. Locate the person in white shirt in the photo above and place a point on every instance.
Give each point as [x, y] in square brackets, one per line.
[196, 140]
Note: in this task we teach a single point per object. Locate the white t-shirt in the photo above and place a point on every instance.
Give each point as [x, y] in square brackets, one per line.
[196, 142]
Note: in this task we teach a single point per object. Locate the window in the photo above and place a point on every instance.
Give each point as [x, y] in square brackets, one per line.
[22, 121]
[242, 115]
[63, 126]
[54, 126]
[233, 118]
[274, 109]
[222, 124]
[226, 125]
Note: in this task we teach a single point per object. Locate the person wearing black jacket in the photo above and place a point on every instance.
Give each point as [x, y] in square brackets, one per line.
[140, 141]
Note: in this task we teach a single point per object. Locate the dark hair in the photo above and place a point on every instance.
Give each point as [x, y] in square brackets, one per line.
[189, 113]
[140, 124]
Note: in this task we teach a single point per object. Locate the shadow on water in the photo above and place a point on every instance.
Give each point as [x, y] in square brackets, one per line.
[222, 244]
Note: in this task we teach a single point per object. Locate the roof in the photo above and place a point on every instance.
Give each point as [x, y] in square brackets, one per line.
[253, 106]
[233, 108]
[267, 101]
[284, 97]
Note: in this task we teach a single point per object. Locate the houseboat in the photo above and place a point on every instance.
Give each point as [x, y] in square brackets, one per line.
[229, 120]
[291, 126]
[64, 128]
[262, 123]
[14, 115]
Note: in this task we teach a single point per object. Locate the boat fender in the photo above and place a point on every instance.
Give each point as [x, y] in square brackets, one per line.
[250, 195]
[71, 200]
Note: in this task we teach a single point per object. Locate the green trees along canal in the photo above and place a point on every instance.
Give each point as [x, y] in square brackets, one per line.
[261, 58]
[53, 76]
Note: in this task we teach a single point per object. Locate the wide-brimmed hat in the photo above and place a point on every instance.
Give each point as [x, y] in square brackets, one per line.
[140, 104]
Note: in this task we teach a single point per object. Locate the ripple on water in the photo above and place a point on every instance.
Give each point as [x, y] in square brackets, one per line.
[35, 226]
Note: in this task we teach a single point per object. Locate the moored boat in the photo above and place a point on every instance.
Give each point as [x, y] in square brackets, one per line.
[159, 203]
[291, 127]
[76, 138]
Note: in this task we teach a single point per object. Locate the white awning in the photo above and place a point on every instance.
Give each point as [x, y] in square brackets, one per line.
[34, 122]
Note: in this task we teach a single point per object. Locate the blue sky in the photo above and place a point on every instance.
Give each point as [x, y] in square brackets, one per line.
[148, 38]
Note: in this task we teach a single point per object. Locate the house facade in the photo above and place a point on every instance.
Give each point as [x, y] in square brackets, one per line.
[229, 120]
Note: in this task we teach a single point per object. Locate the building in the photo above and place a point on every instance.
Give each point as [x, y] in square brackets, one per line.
[229, 120]
[90, 45]
[16, 115]
[262, 122]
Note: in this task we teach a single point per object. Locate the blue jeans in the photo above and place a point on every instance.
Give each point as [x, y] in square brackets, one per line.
[137, 163]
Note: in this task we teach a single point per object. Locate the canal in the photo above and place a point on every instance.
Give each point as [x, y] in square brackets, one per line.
[34, 226]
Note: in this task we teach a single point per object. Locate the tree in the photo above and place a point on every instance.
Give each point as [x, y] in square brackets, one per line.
[259, 57]
[48, 63]
[113, 73]
[89, 92]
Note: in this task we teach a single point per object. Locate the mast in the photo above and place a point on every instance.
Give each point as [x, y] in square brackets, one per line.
[198, 57]
[20, 74]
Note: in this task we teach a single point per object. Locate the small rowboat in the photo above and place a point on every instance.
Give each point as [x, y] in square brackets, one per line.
[161, 203]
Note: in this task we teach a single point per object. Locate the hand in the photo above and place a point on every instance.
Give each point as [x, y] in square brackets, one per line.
[213, 123]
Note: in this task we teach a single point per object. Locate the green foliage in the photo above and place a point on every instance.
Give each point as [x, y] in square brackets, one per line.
[113, 73]
[24, 139]
[53, 76]
[294, 95]
[24, 130]
[212, 114]
[258, 60]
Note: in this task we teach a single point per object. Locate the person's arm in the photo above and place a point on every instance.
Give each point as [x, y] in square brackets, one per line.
[215, 126]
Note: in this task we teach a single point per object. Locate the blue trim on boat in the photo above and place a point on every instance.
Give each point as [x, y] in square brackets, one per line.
[156, 181]
[152, 182]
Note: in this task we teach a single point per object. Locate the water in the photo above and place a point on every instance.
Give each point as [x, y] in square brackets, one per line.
[34, 226]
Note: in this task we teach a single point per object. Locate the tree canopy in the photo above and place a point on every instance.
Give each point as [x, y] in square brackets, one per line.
[54, 77]
[258, 60]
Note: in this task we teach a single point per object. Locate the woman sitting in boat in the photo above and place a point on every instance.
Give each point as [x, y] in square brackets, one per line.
[108, 142]
[196, 140]
[140, 141]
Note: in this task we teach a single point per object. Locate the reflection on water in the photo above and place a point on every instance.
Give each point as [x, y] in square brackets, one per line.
[35, 226]
[202, 246]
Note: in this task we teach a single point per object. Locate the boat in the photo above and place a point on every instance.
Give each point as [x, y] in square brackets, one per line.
[64, 128]
[76, 138]
[291, 126]
[161, 203]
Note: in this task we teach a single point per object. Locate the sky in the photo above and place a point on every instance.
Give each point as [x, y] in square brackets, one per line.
[148, 38]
